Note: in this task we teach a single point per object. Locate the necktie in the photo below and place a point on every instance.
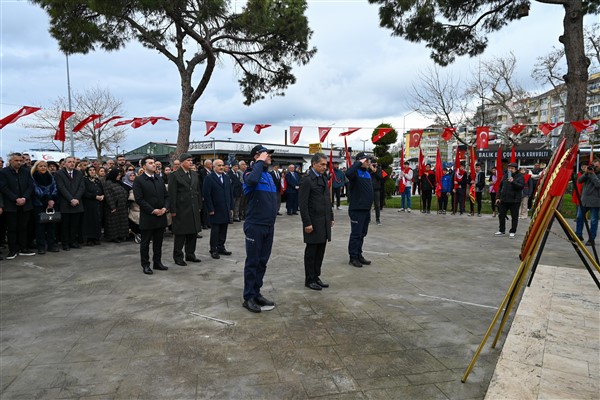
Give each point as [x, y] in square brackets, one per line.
[71, 174]
[189, 175]
[221, 178]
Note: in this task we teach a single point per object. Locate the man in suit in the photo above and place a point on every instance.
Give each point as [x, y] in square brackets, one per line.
[16, 189]
[236, 187]
[276, 175]
[293, 184]
[184, 200]
[218, 198]
[203, 173]
[317, 220]
[71, 187]
[150, 194]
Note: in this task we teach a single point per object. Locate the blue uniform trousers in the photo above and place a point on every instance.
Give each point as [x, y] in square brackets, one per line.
[259, 241]
[359, 227]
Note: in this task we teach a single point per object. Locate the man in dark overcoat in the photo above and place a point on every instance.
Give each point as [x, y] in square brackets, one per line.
[292, 180]
[218, 200]
[71, 187]
[276, 175]
[317, 219]
[184, 200]
[16, 188]
[150, 194]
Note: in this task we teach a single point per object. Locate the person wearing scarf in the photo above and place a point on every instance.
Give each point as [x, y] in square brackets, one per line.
[116, 224]
[527, 191]
[461, 180]
[44, 198]
[93, 200]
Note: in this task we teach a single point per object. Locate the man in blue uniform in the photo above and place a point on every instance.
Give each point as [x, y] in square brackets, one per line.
[259, 226]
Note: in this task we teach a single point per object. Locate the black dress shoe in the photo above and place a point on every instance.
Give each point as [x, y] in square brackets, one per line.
[160, 267]
[262, 301]
[75, 245]
[278, 213]
[54, 249]
[225, 252]
[313, 286]
[180, 262]
[147, 270]
[251, 305]
[295, 213]
[362, 260]
[66, 248]
[321, 283]
[355, 263]
[215, 255]
[193, 259]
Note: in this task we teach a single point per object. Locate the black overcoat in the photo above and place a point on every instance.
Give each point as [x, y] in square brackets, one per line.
[218, 198]
[70, 189]
[150, 194]
[185, 202]
[14, 185]
[315, 208]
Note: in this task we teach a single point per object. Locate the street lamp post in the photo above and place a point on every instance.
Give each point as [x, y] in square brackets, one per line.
[364, 142]
[404, 123]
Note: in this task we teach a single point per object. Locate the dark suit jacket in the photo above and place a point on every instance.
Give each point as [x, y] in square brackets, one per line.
[218, 198]
[276, 181]
[150, 194]
[315, 208]
[184, 200]
[292, 181]
[14, 185]
[70, 189]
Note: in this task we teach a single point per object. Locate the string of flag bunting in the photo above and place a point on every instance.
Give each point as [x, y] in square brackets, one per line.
[482, 132]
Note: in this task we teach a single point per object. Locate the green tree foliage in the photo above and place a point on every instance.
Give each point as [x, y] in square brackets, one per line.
[264, 38]
[452, 28]
[384, 158]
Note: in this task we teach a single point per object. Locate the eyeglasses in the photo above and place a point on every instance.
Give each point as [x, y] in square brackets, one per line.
[130, 169]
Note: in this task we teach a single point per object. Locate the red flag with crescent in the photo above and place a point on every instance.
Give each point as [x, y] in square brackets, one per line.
[421, 163]
[125, 122]
[439, 173]
[482, 140]
[9, 119]
[381, 132]
[517, 128]
[323, 132]
[583, 124]
[401, 185]
[547, 128]
[210, 126]
[236, 127]
[415, 137]
[260, 127]
[138, 122]
[513, 155]
[60, 132]
[295, 134]
[447, 134]
[86, 121]
[499, 171]
[349, 132]
[101, 124]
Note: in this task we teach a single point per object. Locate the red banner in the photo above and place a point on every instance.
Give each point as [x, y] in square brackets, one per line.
[547, 128]
[349, 132]
[415, 137]
[60, 132]
[323, 132]
[295, 134]
[101, 124]
[482, 137]
[236, 127]
[260, 127]
[583, 124]
[210, 126]
[448, 132]
[86, 121]
[517, 128]
[381, 132]
[9, 119]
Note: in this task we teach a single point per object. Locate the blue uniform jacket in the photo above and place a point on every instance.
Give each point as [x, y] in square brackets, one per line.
[261, 195]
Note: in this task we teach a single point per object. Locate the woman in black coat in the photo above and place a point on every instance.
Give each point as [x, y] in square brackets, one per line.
[317, 219]
[93, 200]
[116, 223]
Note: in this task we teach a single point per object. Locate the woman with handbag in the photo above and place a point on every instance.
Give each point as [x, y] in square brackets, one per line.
[44, 199]
[93, 200]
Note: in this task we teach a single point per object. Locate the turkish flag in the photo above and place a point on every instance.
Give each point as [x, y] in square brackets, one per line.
[401, 185]
[323, 132]
[126, 122]
[439, 173]
[513, 155]
[350, 131]
[583, 124]
[138, 122]
[472, 194]
[295, 134]
[101, 124]
[482, 137]
[447, 134]
[421, 163]
[260, 127]
[236, 127]
[9, 119]
[559, 185]
[517, 128]
[499, 171]
[60, 132]
[415, 137]
[381, 132]
[210, 126]
[547, 128]
[86, 121]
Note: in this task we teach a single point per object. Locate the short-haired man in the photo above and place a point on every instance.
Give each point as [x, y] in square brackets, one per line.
[317, 220]
[121, 161]
[339, 180]
[509, 198]
[203, 173]
[292, 180]
[243, 200]
[184, 200]
[276, 175]
[590, 201]
[152, 197]
[71, 188]
[259, 227]
[218, 200]
[16, 188]
[479, 183]
[405, 182]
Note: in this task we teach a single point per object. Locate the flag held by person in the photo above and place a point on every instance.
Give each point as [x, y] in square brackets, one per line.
[439, 173]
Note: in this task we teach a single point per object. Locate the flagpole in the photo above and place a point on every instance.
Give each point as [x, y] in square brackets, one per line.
[70, 109]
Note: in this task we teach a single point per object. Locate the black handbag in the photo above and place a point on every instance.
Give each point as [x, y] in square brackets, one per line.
[50, 216]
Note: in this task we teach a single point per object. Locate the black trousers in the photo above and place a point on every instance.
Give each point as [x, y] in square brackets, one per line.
[443, 202]
[359, 227]
[190, 246]
[460, 198]
[17, 222]
[377, 203]
[336, 195]
[218, 235]
[313, 259]
[291, 203]
[514, 215]
[156, 237]
[71, 224]
[426, 197]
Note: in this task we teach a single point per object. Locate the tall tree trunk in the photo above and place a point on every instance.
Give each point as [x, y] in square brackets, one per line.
[185, 115]
[577, 68]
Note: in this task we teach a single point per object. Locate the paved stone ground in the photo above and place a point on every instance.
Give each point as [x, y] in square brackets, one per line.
[88, 324]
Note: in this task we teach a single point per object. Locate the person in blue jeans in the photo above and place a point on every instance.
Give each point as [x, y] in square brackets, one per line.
[406, 180]
[590, 201]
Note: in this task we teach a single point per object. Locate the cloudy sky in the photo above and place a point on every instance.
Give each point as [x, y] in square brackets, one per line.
[360, 76]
